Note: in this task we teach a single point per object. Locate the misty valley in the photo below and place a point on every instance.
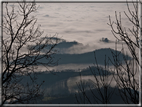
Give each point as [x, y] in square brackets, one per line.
[60, 82]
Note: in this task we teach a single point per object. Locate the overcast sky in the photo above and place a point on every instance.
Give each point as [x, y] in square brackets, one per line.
[82, 22]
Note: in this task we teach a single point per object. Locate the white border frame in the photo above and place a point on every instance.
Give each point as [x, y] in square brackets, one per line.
[90, 1]
[140, 48]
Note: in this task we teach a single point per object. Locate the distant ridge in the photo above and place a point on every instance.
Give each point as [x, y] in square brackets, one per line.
[84, 58]
[89, 57]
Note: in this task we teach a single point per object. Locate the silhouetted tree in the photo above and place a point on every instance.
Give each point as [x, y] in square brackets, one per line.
[20, 29]
[126, 71]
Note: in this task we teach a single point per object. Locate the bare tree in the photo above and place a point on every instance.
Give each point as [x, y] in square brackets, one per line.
[126, 71]
[20, 29]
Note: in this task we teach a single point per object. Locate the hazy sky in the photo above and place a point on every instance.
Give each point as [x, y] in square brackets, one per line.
[83, 22]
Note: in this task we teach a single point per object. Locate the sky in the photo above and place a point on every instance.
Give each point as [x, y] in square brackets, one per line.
[85, 23]
[82, 22]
